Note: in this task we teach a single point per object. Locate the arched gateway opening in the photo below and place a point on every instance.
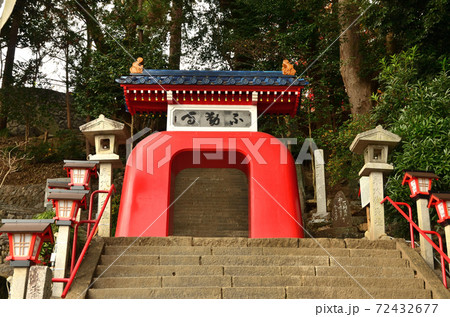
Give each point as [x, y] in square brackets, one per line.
[216, 205]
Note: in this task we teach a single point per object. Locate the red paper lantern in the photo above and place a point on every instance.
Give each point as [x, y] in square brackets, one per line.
[25, 240]
[419, 182]
[441, 202]
[80, 173]
[67, 203]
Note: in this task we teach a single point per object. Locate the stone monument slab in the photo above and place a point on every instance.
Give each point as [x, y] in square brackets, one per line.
[340, 212]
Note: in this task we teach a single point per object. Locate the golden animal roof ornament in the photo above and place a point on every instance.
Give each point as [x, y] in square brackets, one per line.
[137, 66]
[288, 69]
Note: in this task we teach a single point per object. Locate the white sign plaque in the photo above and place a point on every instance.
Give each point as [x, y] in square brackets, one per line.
[211, 118]
[365, 193]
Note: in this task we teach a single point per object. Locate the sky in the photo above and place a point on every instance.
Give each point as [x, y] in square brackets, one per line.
[54, 68]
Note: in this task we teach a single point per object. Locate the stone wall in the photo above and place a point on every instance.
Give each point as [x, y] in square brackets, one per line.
[19, 202]
[56, 115]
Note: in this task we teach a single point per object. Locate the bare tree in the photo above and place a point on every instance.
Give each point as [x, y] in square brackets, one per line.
[11, 162]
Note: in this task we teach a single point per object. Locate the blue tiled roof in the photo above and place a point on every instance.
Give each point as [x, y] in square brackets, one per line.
[209, 77]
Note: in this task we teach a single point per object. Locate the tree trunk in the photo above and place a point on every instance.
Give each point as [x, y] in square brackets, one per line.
[69, 121]
[87, 145]
[176, 16]
[391, 47]
[93, 28]
[359, 90]
[140, 31]
[13, 39]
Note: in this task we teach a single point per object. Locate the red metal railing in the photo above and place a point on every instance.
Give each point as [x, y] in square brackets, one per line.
[424, 233]
[90, 234]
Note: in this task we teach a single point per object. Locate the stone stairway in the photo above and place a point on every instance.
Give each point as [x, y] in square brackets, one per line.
[195, 267]
[216, 205]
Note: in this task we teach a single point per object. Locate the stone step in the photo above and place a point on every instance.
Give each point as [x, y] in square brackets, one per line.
[214, 233]
[290, 292]
[244, 242]
[126, 282]
[368, 244]
[211, 220]
[372, 262]
[366, 282]
[163, 281]
[216, 205]
[305, 251]
[253, 292]
[157, 250]
[314, 292]
[196, 281]
[156, 270]
[149, 241]
[269, 270]
[294, 280]
[156, 293]
[356, 271]
[223, 260]
[261, 260]
[212, 202]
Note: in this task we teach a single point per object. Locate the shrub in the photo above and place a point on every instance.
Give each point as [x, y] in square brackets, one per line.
[418, 111]
[342, 163]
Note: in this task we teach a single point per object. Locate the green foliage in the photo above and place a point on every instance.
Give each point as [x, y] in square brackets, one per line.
[418, 111]
[69, 145]
[41, 152]
[96, 91]
[421, 23]
[398, 72]
[66, 145]
[342, 163]
[47, 247]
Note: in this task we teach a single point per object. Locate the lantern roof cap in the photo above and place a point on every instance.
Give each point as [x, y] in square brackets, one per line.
[104, 126]
[211, 78]
[16, 227]
[67, 194]
[377, 136]
[421, 174]
[28, 220]
[58, 183]
[80, 164]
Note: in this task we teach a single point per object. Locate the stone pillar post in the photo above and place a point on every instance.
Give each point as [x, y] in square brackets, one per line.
[447, 240]
[62, 254]
[39, 283]
[321, 195]
[376, 227]
[374, 145]
[423, 215]
[19, 283]
[105, 181]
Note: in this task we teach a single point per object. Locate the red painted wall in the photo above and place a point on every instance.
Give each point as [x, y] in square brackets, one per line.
[274, 206]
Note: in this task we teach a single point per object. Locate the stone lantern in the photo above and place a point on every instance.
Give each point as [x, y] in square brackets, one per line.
[106, 135]
[375, 145]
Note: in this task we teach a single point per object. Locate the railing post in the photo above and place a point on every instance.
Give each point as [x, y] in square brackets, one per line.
[423, 215]
[447, 240]
[62, 254]
[19, 282]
